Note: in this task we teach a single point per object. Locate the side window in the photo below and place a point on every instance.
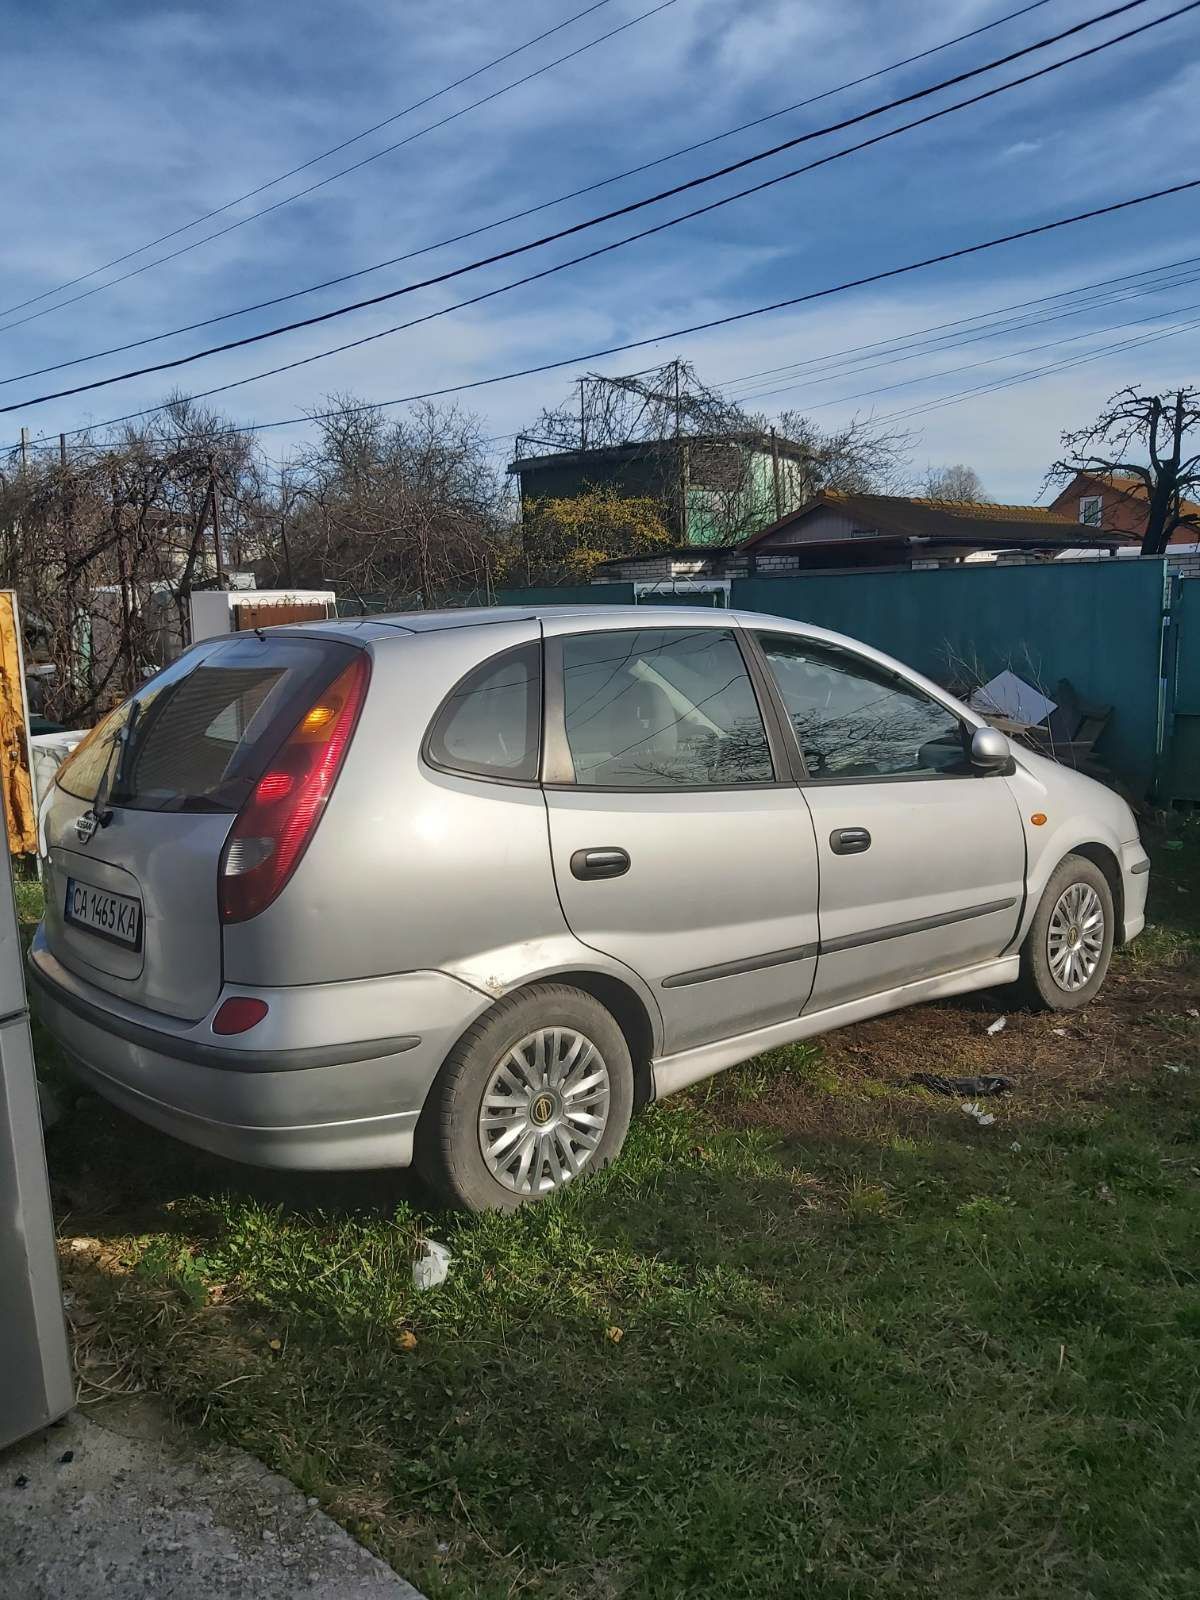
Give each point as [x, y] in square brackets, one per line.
[662, 707]
[856, 720]
[1091, 508]
[490, 724]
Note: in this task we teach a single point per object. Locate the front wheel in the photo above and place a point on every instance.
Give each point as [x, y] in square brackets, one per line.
[1069, 944]
[537, 1093]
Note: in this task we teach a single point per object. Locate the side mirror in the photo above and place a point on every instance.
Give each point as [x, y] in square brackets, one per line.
[990, 751]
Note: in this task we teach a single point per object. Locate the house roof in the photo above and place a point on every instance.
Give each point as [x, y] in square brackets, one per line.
[968, 522]
[641, 447]
[863, 551]
[1125, 484]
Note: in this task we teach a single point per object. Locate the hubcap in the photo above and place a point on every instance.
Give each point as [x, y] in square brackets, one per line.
[544, 1111]
[1075, 937]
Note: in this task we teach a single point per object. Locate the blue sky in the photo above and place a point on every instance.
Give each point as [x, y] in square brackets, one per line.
[123, 121]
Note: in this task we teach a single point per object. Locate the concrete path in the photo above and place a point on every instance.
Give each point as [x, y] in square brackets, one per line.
[89, 1513]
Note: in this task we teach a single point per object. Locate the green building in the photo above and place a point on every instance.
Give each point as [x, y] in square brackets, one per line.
[713, 490]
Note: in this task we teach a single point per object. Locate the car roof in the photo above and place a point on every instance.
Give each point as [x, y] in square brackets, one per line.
[376, 627]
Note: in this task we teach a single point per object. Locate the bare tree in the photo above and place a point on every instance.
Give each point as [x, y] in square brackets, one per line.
[396, 512]
[1133, 426]
[104, 546]
[957, 484]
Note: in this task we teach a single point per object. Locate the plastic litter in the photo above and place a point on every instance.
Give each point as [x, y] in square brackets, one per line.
[999, 1025]
[982, 1117]
[990, 1083]
[1012, 697]
[432, 1266]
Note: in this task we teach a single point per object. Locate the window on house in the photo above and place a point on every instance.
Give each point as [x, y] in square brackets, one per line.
[1091, 508]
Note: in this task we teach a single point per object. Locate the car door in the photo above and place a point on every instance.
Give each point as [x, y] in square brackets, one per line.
[922, 858]
[681, 845]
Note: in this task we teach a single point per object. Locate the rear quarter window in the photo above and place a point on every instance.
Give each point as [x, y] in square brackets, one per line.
[489, 725]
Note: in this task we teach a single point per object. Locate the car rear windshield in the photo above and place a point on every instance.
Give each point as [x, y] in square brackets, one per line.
[198, 736]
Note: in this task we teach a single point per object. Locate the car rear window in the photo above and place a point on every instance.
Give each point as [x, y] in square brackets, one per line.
[198, 736]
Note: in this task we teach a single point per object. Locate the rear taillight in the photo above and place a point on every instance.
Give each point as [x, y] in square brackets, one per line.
[273, 828]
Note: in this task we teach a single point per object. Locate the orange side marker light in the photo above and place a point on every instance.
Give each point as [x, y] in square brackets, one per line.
[1038, 819]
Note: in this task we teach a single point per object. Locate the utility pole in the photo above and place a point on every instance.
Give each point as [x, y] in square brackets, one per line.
[283, 538]
[24, 450]
[216, 521]
[681, 458]
[775, 474]
[123, 581]
[582, 416]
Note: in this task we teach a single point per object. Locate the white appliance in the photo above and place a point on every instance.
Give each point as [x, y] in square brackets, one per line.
[35, 1366]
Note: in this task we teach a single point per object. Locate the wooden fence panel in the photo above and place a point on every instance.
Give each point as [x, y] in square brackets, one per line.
[20, 811]
[272, 613]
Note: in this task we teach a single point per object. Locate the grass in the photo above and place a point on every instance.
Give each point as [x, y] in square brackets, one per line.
[818, 1334]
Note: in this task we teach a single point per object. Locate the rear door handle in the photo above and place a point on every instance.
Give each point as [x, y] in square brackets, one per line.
[849, 841]
[610, 861]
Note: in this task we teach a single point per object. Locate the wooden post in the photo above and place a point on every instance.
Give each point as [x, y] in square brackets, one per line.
[775, 474]
[15, 765]
[216, 522]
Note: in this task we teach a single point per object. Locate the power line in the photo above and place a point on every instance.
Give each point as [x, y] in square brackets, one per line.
[910, 349]
[342, 172]
[471, 233]
[304, 165]
[675, 333]
[970, 366]
[1041, 372]
[638, 205]
[958, 322]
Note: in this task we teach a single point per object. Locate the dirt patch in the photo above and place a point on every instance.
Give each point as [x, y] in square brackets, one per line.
[857, 1082]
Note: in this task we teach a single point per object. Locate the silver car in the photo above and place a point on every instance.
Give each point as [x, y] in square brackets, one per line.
[465, 888]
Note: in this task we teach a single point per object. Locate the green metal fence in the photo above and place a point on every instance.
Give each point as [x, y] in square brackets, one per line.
[1097, 623]
[1100, 624]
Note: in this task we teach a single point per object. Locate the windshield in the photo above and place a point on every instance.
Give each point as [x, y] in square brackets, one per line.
[205, 728]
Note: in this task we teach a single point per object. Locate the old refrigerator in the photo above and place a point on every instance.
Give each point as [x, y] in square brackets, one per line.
[35, 1367]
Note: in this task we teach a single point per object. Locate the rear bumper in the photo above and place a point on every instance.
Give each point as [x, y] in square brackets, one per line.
[334, 1077]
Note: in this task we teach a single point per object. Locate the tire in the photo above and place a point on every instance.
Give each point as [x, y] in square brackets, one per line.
[562, 1096]
[1060, 970]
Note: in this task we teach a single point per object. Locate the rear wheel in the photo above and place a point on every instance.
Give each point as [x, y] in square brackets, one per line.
[537, 1093]
[1066, 952]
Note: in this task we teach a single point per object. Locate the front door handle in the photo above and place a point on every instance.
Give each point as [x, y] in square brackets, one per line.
[609, 861]
[849, 841]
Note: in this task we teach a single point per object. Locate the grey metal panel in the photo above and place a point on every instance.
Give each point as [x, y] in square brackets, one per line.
[35, 1368]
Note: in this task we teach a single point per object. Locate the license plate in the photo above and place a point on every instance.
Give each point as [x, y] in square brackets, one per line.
[113, 916]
